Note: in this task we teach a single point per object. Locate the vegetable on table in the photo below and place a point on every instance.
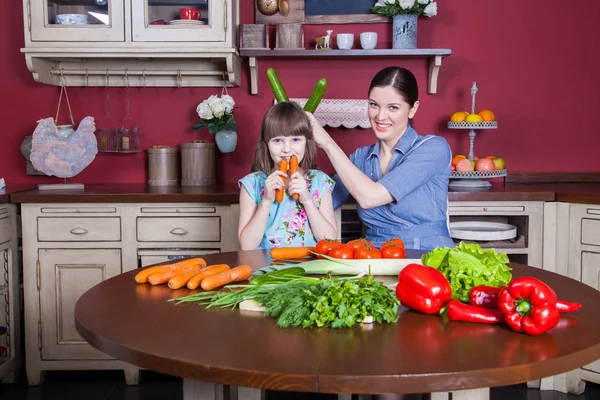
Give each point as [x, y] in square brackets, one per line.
[179, 281]
[164, 277]
[457, 311]
[393, 251]
[293, 170]
[366, 252]
[315, 98]
[286, 253]
[529, 306]
[195, 280]
[487, 296]
[342, 251]
[423, 289]
[142, 276]
[467, 265]
[358, 243]
[276, 86]
[237, 274]
[393, 242]
[283, 167]
[325, 245]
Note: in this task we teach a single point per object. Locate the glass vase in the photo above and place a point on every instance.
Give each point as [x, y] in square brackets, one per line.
[226, 141]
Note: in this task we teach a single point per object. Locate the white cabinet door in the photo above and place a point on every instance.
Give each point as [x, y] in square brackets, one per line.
[65, 274]
[74, 20]
[590, 275]
[160, 21]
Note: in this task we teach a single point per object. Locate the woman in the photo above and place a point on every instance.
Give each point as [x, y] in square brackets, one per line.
[401, 182]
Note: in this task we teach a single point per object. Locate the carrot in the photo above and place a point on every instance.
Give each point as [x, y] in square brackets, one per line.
[163, 277]
[142, 276]
[239, 273]
[194, 282]
[286, 253]
[293, 170]
[179, 281]
[283, 167]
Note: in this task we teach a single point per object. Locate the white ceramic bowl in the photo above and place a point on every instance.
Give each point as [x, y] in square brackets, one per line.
[72, 19]
[368, 40]
[344, 40]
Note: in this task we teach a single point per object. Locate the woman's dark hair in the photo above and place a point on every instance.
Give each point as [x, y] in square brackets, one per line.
[400, 79]
[284, 119]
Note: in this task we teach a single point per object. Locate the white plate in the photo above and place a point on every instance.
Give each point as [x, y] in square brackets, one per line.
[186, 22]
[481, 230]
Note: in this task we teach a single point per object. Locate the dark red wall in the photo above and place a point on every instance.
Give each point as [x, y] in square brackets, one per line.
[535, 66]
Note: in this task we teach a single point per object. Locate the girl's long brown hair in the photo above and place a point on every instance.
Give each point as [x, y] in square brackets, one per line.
[284, 119]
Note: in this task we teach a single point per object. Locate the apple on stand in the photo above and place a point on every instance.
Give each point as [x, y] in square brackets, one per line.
[484, 164]
[499, 163]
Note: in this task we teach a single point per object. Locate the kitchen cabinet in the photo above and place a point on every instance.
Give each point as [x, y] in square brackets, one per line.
[69, 248]
[132, 43]
[10, 315]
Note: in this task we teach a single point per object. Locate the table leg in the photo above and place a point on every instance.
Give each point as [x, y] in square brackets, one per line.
[439, 396]
[198, 390]
[471, 394]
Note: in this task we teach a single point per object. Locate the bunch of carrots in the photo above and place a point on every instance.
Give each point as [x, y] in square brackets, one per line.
[283, 167]
[193, 272]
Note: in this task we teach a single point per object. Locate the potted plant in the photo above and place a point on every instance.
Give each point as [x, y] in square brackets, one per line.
[217, 116]
[404, 15]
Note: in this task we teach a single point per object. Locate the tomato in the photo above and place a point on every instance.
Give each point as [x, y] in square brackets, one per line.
[357, 243]
[324, 245]
[393, 251]
[395, 241]
[342, 251]
[367, 252]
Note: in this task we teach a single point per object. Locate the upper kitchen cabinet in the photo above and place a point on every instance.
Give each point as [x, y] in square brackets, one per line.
[132, 42]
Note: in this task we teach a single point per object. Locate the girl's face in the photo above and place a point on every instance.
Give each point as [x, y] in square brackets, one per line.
[389, 113]
[286, 146]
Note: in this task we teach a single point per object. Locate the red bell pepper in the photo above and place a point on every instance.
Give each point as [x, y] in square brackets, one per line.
[529, 306]
[458, 311]
[423, 289]
[487, 296]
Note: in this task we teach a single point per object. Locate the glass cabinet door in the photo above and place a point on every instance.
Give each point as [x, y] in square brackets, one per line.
[179, 20]
[78, 20]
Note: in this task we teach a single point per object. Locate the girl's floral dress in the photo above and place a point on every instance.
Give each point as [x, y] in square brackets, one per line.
[287, 225]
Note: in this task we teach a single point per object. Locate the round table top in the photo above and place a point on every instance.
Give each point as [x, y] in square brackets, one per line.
[420, 353]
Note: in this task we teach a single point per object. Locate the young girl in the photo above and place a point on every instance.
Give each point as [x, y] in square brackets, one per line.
[265, 223]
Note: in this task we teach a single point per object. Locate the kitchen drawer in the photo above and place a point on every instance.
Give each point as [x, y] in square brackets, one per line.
[84, 229]
[590, 231]
[5, 231]
[179, 229]
[179, 210]
[484, 209]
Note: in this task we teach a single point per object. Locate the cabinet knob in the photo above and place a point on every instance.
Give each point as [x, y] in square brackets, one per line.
[78, 231]
[179, 231]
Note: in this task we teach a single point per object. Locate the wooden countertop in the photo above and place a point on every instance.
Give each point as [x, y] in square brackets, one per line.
[588, 193]
[8, 190]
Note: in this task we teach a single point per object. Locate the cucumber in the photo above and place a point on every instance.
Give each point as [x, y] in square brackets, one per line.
[315, 98]
[276, 86]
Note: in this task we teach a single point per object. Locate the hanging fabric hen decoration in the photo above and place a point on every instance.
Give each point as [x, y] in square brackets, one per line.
[59, 156]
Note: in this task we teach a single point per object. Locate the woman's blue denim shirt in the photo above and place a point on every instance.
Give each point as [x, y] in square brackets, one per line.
[417, 178]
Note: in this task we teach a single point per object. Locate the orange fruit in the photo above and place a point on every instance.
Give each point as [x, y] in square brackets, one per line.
[487, 115]
[458, 116]
[457, 158]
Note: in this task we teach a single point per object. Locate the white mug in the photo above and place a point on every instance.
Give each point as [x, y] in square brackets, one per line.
[345, 41]
[368, 40]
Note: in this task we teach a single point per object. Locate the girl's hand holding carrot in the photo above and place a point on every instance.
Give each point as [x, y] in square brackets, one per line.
[273, 184]
[298, 187]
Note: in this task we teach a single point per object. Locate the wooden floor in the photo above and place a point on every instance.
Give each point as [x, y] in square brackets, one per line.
[110, 385]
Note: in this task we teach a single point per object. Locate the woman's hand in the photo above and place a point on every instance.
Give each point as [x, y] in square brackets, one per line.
[273, 183]
[319, 134]
[297, 185]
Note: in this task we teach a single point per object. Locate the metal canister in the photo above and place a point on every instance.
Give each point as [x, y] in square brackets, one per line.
[162, 166]
[198, 163]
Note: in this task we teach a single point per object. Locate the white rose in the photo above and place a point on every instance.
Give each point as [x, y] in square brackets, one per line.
[228, 103]
[204, 111]
[388, 2]
[423, 1]
[406, 4]
[380, 3]
[218, 109]
[212, 100]
[431, 9]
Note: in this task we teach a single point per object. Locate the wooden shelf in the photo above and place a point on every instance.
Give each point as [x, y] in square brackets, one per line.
[434, 56]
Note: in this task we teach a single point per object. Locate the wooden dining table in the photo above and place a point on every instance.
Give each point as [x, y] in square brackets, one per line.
[216, 349]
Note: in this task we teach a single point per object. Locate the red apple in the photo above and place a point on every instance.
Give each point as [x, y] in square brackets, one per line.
[464, 165]
[484, 164]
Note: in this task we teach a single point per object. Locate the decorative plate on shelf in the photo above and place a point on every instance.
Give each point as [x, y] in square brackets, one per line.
[482, 230]
[499, 173]
[186, 22]
[473, 125]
